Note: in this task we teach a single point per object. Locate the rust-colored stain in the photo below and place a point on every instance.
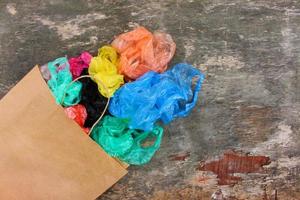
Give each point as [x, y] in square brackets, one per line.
[233, 162]
[202, 179]
[180, 157]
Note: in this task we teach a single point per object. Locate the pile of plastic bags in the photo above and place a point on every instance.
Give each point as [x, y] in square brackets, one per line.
[129, 78]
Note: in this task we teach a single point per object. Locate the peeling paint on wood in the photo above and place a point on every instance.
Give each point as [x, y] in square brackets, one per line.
[232, 163]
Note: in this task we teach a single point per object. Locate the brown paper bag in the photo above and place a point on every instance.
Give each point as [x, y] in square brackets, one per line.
[44, 154]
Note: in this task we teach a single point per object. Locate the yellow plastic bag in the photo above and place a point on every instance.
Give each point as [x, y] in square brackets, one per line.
[103, 69]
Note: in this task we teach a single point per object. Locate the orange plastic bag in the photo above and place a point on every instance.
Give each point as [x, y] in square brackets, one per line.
[141, 51]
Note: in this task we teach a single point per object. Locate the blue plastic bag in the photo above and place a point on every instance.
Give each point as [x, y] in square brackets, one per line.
[61, 77]
[157, 96]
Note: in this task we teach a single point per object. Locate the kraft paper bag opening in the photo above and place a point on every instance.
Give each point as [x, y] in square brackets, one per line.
[44, 154]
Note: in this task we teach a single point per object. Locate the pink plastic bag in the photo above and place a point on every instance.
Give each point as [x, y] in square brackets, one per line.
[78, 64]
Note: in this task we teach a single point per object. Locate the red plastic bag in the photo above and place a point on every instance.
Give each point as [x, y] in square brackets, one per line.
[78, 114]
[141, 51]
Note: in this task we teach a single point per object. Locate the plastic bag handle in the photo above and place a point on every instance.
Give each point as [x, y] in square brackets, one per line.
[104, 86]
[196, 91]
[145, 135]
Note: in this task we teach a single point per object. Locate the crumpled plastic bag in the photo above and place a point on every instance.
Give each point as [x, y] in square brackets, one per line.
[103, 69]
[157, 96]
[78, 114]
[141, 51]
[61, 77]
[78, 64]
[114, 136]
[93, 101]
[45, 72]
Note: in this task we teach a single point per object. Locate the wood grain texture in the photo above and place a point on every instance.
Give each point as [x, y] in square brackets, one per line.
[250, 53]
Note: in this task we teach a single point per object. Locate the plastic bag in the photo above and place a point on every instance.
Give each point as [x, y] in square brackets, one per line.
[78, 64]
[60, 79]
[103, 68]
[45, 72]
[93, 101]
[114, 136]
[78, 114]
[141, 51]
[156, 96]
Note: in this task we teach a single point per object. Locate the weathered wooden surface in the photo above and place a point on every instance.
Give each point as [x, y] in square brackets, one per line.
[242, 139]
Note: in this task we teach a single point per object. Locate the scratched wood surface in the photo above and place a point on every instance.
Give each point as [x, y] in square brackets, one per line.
[242, 140]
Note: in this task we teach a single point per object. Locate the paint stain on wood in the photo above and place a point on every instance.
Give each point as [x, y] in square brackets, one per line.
[180, 156]
[233, 162]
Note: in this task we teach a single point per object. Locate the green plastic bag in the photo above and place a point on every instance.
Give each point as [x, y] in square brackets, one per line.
[114, 136]
[59, 83]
